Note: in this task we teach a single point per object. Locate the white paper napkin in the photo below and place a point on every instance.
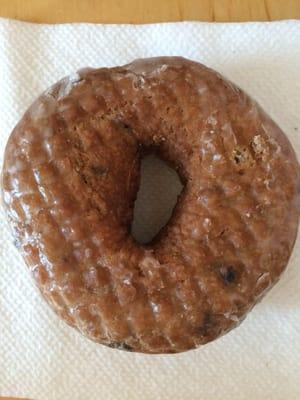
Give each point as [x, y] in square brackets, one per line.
[41, 357]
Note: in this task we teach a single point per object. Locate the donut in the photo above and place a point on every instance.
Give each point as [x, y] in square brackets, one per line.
[70, 179]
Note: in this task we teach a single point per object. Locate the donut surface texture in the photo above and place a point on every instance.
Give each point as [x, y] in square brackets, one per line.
[70, 179]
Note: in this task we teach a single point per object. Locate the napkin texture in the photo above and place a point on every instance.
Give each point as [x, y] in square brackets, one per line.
[40, 356]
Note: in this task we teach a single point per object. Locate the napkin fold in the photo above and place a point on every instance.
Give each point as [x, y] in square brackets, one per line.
[40, 356]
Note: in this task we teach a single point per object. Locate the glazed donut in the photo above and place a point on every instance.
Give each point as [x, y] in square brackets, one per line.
[70, 180]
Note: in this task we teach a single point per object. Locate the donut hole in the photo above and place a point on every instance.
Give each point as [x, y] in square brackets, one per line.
[160, 186]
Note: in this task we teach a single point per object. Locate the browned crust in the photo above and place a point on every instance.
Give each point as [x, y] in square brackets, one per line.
[70, 177]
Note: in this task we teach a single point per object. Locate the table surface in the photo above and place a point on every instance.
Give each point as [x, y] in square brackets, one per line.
[147, 11]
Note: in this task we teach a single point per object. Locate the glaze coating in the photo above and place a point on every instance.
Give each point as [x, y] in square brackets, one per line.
[70, 178]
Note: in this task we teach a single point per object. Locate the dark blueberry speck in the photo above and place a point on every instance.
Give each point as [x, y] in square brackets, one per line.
[228, 274]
